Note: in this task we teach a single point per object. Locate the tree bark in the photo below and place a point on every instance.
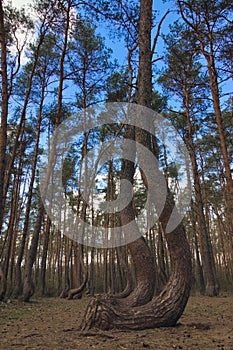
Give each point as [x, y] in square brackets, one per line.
[139, 310]
[139, 250]
[44, 256]
[204, 20]
[18, 274]
[211, 287]
[165, 309]
[4, 112]
[76, 293]
[2, 285]
[28, 285]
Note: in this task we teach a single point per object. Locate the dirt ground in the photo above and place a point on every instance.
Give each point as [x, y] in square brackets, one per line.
[53, 323]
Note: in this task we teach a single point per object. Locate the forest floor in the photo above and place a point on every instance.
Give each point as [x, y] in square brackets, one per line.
[53, 324]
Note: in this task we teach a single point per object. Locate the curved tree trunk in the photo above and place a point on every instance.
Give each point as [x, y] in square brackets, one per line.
[76, 293]
[141, 254]
[139, 310]
[129, 279]
[163, 310]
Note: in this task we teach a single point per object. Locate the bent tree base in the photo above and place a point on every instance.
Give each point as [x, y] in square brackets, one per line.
[164, 310]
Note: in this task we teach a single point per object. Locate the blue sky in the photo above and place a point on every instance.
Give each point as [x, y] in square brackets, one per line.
[118, 48]
[119, 51]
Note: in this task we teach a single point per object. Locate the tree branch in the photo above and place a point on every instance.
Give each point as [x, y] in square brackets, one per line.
[158, 32]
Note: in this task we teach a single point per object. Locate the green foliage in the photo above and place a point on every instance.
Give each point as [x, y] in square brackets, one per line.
[17, 23]
[89, 63]
[117, 86]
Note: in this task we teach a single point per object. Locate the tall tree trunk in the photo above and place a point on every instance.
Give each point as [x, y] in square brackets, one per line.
[23, 113]
[206, 44]
[44, 256]
[139, 249]
[4, 112]
[18, 275]
[3, 284]
[143, 311]
[200, 276]
[213, 76]
[14, 206]
[28, 285]
[9, 235]
[203, 234]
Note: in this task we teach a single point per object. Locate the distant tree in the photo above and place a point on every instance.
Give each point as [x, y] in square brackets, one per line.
[89, 63]
[32, 252]
[208, 20]
[45, 69]
[183, 78]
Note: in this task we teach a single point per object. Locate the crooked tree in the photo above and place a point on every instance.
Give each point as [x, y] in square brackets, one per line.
[140, 310]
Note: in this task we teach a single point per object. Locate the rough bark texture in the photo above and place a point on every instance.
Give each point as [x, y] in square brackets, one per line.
[139, 250]
[207, 43]
[128, 276]
[211, 287]
[4, 112]
[2, 285]
[18, 273]
[139, 310]
[28, 285]
[105, 312]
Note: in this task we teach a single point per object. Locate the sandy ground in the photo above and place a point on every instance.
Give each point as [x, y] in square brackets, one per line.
[53, 323]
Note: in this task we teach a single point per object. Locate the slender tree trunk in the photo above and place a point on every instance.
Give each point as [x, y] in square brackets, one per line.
[14, 207]
[206, 44]
[44, 256]
[213, 75]
[200, 276]
[3, 284]
[9, 235]
[203, 234]
[28, 285]
[18, 274]
[4, 112]
[92, 271]
[23, 114]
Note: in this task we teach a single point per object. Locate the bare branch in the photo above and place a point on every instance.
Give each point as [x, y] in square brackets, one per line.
[158, 31]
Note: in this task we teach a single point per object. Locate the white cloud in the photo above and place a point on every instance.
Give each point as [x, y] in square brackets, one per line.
[20, 3]
[22, 36]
